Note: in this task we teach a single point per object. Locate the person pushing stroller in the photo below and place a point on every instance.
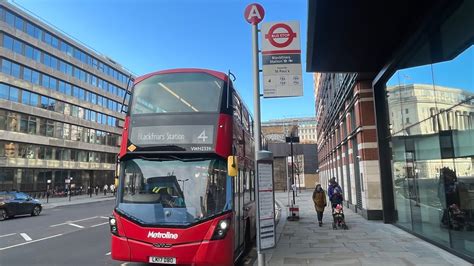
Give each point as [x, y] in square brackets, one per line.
[336, 198]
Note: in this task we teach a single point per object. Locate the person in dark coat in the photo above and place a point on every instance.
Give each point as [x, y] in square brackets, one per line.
[319, 199]
[335, 193]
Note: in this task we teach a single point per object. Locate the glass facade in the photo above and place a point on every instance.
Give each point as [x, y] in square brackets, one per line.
[57, 98]
[33, 125]
[19, 47]
[35, 180]
[49, 82]
[12, 150]
[19, 23]
[36, 100]
[430, 101]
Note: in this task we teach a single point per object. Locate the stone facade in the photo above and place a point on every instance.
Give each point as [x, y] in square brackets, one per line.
[347, 141]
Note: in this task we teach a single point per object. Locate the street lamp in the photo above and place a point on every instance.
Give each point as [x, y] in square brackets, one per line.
[183, 180]
[47, 190]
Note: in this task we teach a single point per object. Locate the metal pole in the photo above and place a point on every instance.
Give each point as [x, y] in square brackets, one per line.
[293, 185]
[256, 131]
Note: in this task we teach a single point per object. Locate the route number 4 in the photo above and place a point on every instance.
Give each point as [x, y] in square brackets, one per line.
[203, 136]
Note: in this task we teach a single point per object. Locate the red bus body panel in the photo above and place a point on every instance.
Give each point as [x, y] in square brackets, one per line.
[123, 145]
[224, 136]
[216, 74]
[192, 246]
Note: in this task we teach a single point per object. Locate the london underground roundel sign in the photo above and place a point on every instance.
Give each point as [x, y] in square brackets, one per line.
[283, 37]
[254, 13]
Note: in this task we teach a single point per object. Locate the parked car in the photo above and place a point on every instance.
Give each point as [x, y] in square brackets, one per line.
[18, 203]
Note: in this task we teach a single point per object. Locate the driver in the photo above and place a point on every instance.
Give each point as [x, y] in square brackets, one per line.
[164, 197]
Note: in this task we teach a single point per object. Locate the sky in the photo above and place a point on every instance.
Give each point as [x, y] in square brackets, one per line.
[150, 35]
[456, 73]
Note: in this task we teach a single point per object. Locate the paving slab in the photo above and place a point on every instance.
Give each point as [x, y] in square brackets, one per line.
[365, 243]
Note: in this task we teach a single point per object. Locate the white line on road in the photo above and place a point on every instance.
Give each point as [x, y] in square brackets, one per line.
[103, 217]
[33, 241]
[68, 222]
[95, 225]
[26, 237]
[76, 225]
[123, 264]
[108, 253]
[8, 235]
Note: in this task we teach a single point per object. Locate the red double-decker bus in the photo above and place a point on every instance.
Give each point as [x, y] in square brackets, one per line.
[185, 190]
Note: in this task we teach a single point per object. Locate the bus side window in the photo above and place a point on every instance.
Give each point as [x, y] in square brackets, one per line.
[246, 186]
[237, 107]
[251, 186]
[252, 181]
[245, 119]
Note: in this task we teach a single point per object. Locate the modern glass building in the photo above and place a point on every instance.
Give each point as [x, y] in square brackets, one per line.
[60, 107]
[415, 62]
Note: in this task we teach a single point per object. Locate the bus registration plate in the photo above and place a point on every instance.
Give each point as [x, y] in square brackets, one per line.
[163, 260]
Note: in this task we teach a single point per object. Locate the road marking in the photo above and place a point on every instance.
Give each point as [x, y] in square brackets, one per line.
[95, 225]
[76, 225]
[26, 237]
[103, 217]
[108, 253]
[8, 235]
[68, 222]
[123, 264]
[33, 241]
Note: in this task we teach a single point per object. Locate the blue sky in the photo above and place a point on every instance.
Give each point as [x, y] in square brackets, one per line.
[150, 35]
[456, 73]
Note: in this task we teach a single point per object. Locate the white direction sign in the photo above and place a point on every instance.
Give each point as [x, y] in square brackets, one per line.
[266, 205]
[281, 54]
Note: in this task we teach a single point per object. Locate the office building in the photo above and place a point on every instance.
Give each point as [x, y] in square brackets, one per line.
[60, 107]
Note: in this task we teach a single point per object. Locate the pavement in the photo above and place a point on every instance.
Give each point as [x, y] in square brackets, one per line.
[366, 242]
[81, 199]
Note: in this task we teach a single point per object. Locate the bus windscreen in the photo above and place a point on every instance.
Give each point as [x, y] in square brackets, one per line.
[177, 93]
[173, 192]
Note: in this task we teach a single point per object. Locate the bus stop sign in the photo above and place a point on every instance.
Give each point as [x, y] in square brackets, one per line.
[254, 13]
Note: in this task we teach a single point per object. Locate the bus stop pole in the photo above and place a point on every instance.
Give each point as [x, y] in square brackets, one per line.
[256, 131]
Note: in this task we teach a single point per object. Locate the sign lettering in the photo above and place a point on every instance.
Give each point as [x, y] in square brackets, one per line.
[254, 13]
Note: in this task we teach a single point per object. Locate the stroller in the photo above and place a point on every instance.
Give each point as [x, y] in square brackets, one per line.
[338, 218]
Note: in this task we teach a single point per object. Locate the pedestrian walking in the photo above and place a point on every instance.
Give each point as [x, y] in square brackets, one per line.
[334, 193]
[319, 199]
[105, 189]
[96, 190]
[112, 189]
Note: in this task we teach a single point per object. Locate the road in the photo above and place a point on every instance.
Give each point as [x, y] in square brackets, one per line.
[69, 235]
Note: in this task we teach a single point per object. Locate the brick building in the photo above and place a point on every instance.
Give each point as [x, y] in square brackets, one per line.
[347, 143]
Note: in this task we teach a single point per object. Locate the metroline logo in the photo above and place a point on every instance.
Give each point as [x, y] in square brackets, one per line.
[166, 235]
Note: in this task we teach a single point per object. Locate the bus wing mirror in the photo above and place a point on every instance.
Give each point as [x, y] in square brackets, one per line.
[232, 167]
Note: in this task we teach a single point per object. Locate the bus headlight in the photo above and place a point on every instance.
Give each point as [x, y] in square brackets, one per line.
[113, 225]
[221, 229]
